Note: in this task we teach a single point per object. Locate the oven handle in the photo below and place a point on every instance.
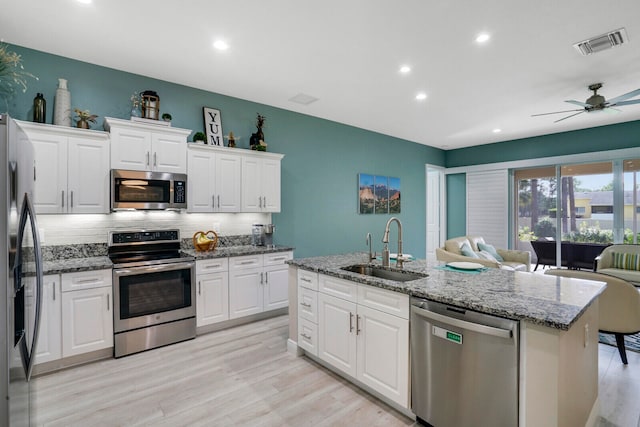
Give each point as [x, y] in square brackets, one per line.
[153, 268]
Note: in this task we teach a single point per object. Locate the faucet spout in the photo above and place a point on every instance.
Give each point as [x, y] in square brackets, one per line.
[385, 240]
[372, 255]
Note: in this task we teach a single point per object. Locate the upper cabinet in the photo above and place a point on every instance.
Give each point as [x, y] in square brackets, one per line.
[147, 147]
[261, 182]
[72, 169]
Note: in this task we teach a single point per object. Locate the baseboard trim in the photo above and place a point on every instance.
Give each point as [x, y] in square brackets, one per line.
[293, 349]
[593, 415]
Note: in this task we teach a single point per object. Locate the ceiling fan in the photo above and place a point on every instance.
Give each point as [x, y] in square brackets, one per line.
[597, 103]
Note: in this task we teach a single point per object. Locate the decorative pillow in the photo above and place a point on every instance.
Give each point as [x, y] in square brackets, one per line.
[466, 250]
[626, 261]
[488, 256]
[489, 248]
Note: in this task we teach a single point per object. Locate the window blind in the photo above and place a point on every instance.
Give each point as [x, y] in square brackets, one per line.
[488, 206]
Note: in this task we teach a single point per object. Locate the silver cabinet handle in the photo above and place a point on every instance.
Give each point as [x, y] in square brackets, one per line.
[63, 198]
[350, 322]
[259, 202]
[108, 306]
[95, 279]
[266, 278]
[209, 267]
[213, 200]
[304, 279]
[261, 278]
[305, 336]
[246, 262]
[155, 159]
[357, 324]
[264, 201]
[199, 288]
[147, 158]
[282, 258]
[304, 304]
[71, 199]
[218, 201]
[53, 287]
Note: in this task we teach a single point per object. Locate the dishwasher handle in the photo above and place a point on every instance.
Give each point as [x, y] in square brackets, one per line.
[470, 326]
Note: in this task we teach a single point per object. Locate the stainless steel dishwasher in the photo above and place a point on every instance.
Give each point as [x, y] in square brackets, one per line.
[464, 367]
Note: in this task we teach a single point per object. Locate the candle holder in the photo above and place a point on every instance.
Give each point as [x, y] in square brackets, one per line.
[150, 105]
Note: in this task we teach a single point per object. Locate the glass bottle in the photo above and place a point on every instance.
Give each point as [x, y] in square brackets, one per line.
[39, 108]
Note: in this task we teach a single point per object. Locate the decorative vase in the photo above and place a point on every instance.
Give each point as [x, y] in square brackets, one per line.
[62, 108]
[82, 124]
[135, 111]
[39, 108]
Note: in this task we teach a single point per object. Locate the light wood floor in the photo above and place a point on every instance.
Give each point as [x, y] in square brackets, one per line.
[244, 377]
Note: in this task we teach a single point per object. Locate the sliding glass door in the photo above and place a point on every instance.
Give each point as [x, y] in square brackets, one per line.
[631, 173]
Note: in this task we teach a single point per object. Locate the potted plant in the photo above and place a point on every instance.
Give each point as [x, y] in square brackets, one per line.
[199, 137]
[166, 117]
[13, 77]
[84, 117]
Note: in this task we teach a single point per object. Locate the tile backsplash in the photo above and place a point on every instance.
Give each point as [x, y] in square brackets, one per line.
[78, 229]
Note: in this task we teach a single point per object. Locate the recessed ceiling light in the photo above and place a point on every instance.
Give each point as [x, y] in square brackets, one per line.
[221, 45]
[496, 130]
[405, 69]
[421, 96]
[482, 38]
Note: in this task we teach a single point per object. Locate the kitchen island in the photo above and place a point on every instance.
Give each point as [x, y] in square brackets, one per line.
[558, 370]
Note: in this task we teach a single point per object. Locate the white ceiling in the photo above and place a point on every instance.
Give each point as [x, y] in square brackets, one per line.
[347, 53]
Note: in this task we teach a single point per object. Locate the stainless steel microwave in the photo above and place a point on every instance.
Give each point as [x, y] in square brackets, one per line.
[148, 190]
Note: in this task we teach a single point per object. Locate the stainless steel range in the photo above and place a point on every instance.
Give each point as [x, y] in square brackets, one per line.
[153, 290]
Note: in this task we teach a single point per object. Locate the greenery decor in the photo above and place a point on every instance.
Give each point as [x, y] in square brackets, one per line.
[12, 73]
[166, 117]
[198, 136]
[84, 117]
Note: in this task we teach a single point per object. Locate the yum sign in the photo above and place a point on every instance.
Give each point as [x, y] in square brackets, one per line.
[213, 126]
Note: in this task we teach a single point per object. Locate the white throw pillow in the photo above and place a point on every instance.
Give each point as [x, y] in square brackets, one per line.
[486, 255]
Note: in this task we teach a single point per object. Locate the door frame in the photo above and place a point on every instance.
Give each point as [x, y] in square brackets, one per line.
[441, 200]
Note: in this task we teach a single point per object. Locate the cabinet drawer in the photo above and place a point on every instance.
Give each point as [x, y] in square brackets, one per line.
[242, 262]
[214, 265]
[308, 304]
[308, 279]
[86, 280]
[338, 287]
[277, 258]
[384, 300]
[308, 336]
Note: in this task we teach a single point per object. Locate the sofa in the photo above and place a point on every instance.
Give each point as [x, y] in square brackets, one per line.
[621, 261]
[511, 259]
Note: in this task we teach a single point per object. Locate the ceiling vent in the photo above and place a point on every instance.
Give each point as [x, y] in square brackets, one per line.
[303, 99]
[602, 42]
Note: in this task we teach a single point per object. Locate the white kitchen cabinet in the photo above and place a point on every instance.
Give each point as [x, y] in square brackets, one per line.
[261, 182]
[212, 297]
[50, 337]
[214, 179]
[87, 312]
[147, 147]
[362, 331]
[258, 283]
[308, 311]
[72, 169]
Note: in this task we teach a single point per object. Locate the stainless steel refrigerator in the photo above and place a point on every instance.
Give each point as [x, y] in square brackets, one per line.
[21, 270]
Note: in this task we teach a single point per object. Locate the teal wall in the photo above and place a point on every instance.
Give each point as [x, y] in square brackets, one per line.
[456, 205]
[611, 137]
[319, 170]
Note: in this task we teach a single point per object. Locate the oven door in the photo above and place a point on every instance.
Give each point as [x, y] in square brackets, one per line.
[150, 295]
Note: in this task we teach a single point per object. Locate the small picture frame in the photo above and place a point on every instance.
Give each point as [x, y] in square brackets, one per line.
[213, 126]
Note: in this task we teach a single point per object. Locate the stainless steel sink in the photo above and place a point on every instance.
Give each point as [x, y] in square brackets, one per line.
[385, 273]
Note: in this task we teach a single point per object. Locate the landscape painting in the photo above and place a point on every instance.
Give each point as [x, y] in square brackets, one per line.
[381, 193]
[366, 197]
[394, 195]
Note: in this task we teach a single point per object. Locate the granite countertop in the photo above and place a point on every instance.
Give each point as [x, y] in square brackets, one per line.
[76, 264]
[550, 301]
[228, 251]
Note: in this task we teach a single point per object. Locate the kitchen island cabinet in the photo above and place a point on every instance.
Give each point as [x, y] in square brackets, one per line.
[558, 368]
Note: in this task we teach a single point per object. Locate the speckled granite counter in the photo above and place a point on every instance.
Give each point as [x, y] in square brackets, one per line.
[545, 300]
[76, 264]
[228, 251]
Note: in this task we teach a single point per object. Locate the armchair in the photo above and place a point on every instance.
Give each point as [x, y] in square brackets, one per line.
[625, 266]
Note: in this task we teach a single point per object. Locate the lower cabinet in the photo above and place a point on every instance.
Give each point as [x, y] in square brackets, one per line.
[212, 296]
[363, 332]
[87, 312]
[49, 339]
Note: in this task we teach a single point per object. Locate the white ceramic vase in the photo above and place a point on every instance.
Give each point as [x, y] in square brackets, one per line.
[62, 106]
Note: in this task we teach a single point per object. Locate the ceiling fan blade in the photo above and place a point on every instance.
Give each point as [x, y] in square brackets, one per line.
[624, 97]
[581, 104]
[565, 118]
[555, 112]
[633, 101]
[611, 110]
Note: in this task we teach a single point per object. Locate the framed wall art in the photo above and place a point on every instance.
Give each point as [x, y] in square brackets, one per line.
[366, 198]
[378, 194]
[213, 126]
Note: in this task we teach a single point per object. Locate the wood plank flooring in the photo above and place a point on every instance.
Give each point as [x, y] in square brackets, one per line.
[244, 377]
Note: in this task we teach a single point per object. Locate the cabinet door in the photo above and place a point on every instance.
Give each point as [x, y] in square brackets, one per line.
[169, 153]
[49, 345]
[383, 353]
[130, 149]
[87, 321]
[228, 182]
[270, 185]
[88, 176]
[336, 333]
[201, 181]
[276, 287]
[212, 298]
[50, 152]
[251, 185]
[245, 292]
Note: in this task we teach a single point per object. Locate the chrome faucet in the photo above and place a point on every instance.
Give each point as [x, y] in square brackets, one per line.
[372, 255]
[385, 240]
